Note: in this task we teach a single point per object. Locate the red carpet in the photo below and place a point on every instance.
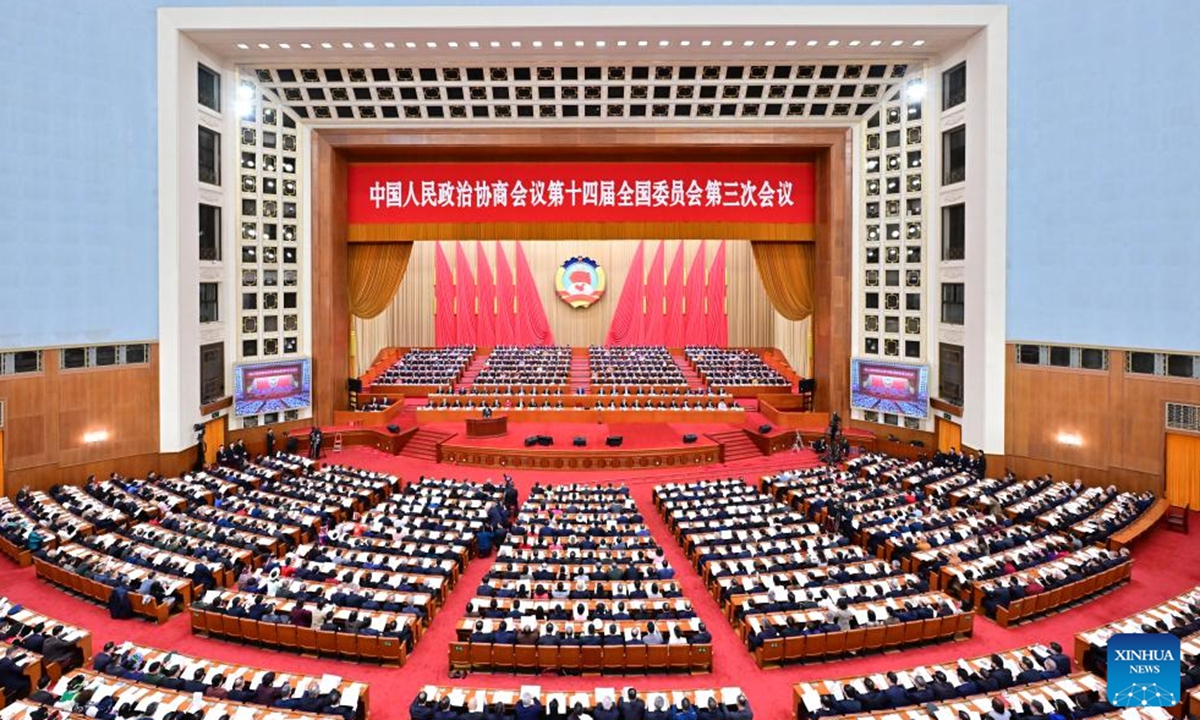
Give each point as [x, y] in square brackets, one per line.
[1158, 574]
[637, 436]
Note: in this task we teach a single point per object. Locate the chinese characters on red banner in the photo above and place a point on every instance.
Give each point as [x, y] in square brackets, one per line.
[582, 192]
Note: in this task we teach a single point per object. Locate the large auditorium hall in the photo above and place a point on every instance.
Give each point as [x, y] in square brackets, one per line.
[380, 360]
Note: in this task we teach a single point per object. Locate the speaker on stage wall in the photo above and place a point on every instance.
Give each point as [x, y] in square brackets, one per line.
[689, 438]
[614, 441]
[354, 385]
[580, 441]
[808, 385]
[393, 428]
[764, 429]
[545, 440]
[531, 441]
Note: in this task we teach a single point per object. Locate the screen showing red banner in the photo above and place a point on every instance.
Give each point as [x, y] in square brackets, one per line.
[581, 192]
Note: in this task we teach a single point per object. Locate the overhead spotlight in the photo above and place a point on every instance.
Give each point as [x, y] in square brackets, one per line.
[915, 91]
[600, 43]
[643, 43]
[452, 44]
[790, 43]
[264, 46]
[664, 43]
[516, 43]
[897, 43]
[579, 43]
[389, 45]
[747, 43]
[327, 46]
[494, 43]
[834, 43]
[685, 43]
[918, 43]
[284, 46]
[348, 45]
[812, 43]
[536, 43]
[410, 45]
[726, 43]
[431, 45]
[243, 46]
[621, 43]
[474, 44]
[558, 43]
[876, 43]
[769, 43]
[367, 45]
[705, 43]
[306, 46]
[854, 43]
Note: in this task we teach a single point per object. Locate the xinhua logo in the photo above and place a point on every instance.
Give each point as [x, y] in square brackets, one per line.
[1143, 670]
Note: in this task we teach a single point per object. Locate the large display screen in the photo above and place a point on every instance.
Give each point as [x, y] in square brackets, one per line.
[886, 387]
[272, 387]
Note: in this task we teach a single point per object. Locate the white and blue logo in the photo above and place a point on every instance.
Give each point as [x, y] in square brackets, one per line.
[1143, 670]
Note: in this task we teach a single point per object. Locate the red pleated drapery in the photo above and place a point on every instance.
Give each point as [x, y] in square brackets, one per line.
[506, 319]
[464, 284]
[444, 327]
[718, 323]
[673, 322]
[485, 323]
[652, 325]
[533, 327]
[695, 329]
[625, 327]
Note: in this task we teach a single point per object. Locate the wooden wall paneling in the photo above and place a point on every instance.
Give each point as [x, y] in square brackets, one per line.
[255, 438]
[330, 299]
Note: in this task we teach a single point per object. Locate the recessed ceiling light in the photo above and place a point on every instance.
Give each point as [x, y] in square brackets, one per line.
[326, 45]
[664, 43]
[348, 45]
[897, 43]
[264, 46]
[854, 43]
[473, 43]
[790, 43]
[705, 43]
[685, 43]
[516, 43]
[306, 46]
[747, 43]
[452, 44]
[876, 43]
[558, 43]
[600, 43]
[769, 43]
[834, 43]
[621, 43]
[918, 43]
[579, 43]
[726, 43]
[431, 45]
[367, 45]
[643, 43]
[243, 46]
[410, 45]
[812, 43]
[494, 43]
[389, 45]
[536, 43]
[915, 91]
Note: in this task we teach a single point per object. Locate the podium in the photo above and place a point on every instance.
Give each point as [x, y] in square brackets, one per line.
[487, 427]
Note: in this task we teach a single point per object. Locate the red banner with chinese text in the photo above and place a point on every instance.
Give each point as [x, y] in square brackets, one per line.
[397, 193]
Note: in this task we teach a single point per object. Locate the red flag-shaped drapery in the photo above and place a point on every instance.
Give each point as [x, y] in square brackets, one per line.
[533, 327]
[444, 329]
[695, 329]
[506, 328]
[625, 326]
[673, 322]
[718, 324]
[485, 325]
[464, 285]
[652, 327]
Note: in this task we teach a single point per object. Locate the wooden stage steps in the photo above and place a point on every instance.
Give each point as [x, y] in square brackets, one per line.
[580, 375]
[472, 371]
[689, 373]
[424, 445]
[736, 445]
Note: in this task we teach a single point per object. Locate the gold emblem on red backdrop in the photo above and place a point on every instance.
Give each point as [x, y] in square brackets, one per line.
[580, 282]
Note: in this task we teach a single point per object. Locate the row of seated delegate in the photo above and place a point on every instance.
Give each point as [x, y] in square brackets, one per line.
[633, 366]
[654, 401]
[968, 535]
[1010, 671]
[431, 367]
[578, 572]
[532, 703]
[34, 648]
[781, 577]
[729, 367]
[381, 576]
[526, 366]
[1178, 616]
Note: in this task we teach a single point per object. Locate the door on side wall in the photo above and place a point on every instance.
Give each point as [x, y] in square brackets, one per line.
[949, 435]
[1183, 470]
[214, 438]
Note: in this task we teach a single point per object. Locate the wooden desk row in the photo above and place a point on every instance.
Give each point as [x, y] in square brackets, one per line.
[629, 659]
[142, 605]
[588, 415]
[822, 646]
[468, 697]
[1048, 600]
[1178, 606]
[327, 643]
[1140, 526]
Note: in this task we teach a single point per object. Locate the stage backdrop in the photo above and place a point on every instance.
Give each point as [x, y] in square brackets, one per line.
[409, 320]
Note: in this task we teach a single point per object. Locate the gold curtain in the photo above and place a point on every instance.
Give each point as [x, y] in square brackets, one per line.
[376, 270]
[1183, 470]
[786, 269]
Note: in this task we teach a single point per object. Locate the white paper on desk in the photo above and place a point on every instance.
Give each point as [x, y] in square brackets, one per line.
[458, 697]
[329, 683]
[300, 688]
[561, 699]
[1091, 682]
[835, 689]
[984, 704]
[944, 713]
[507, 697]
[534, 691]
[215, 712]
[244, 713]
[102, 691]
[904, 679]
[61, 686]
[378, 622]
[811, 700]
[891, 716]
[1070, 686]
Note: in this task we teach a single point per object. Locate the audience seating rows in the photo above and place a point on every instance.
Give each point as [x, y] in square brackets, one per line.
[435, 367]
[531, 703]
[730, 367]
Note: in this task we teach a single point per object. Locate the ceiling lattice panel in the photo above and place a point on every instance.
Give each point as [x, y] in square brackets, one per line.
[814, 92]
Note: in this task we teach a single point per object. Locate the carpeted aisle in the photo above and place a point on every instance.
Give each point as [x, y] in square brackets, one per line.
[1158, 574]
